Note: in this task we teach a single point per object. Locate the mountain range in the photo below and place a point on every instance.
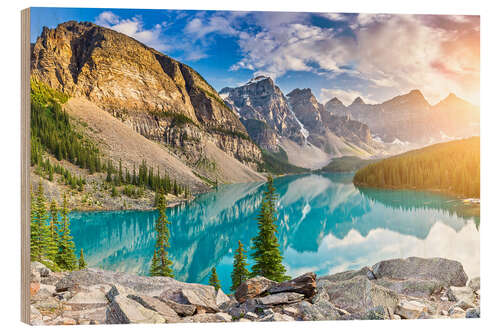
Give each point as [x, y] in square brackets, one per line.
[223, 135]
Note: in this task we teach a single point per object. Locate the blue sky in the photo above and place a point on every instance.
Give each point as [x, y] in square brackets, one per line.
[375, 56]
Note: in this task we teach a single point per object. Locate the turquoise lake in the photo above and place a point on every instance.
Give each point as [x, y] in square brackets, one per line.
[326, 225]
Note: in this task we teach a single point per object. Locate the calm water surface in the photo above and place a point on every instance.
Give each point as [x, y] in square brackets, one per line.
[326, 225]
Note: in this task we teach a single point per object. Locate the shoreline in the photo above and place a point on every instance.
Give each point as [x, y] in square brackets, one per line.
[473, 207]
[393, 289]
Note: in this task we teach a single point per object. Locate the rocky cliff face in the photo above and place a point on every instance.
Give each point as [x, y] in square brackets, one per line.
[262, 100]
[298, 117]
[410, 118]
[154, 94]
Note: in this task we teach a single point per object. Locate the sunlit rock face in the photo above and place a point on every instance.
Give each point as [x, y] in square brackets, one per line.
[325, 225]
[159, 97]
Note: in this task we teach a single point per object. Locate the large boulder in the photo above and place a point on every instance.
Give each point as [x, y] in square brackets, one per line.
[144, 285]
[412, 287]
[304, 284]
[359, 294]
[449, 272]
[124, 310]
[253, 287]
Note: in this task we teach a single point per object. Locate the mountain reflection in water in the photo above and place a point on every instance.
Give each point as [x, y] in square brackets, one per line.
[326, 225]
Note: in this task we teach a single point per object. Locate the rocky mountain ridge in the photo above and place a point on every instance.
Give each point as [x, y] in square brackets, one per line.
[410, 118]
[157, 96]
[411, 288]
[297, 122]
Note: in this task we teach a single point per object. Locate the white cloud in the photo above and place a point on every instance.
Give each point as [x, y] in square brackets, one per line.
[296, 47]
[347, 96]
[134, 28]
[200, 28]
[436, 54]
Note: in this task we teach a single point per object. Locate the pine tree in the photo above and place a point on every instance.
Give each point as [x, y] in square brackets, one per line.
[66, 258]
[240, 272]
[155, 264]
[266, 251]
[161, 265]
[53, 239]
[81, 261]
[39, 229]
[214, 279]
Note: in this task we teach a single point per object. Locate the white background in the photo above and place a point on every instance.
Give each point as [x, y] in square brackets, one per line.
[490, 130]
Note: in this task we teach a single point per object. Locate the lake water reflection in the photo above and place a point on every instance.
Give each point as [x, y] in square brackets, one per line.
[326, 225]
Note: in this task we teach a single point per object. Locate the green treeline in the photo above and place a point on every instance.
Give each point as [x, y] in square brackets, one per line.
[143, 177]
[453, 167]
[51, 242]
[51, 130]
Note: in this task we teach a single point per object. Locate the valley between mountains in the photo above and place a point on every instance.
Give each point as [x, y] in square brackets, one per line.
[139, 120]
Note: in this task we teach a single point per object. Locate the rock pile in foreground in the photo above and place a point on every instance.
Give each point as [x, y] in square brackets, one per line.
[412, 288]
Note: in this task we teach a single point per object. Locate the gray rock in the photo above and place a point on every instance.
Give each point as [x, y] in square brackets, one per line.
[221, 297]
[40, 268]
[291, 311]
[447, 271]
[181, 309]
[123, 310]
[463, 305]
[412, 287]
[410, 309]
[281, 298]
[347, 275]
[280, 317]
[252, 288]
[116, 290]
[88, 299]
[475, 284]
[456, 312]
[321, 294]
[304, 284]
[155, 304]
[35, 316]
[144, 285]
[359, 294]
[250, 315]
[67, 283]
[41, 295]
[473, 313]
[322, 310]
[219, 317]
[202, 298]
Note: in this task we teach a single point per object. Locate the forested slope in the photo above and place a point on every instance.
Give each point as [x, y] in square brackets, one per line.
[452, 167]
